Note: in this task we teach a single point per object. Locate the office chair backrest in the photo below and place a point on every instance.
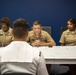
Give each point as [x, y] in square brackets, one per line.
[48, 29]
[63, 29]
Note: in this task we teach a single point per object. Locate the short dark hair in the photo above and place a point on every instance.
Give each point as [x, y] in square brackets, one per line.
[37, 22]
[72, 20]
[20, 27]
[6, 20]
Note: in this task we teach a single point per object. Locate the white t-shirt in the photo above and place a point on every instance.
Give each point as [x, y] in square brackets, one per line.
[19, 56]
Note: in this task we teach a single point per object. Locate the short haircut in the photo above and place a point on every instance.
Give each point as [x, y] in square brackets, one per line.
[37, 23]
[20, 28]
[72, 20]
[6, 20]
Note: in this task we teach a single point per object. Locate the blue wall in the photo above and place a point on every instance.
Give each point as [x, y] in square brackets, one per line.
[50, 12]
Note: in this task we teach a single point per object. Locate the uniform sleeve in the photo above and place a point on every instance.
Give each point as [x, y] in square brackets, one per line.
[28, 40]
[41, 70]
[49, 38]
[28, 37]
[62, 39]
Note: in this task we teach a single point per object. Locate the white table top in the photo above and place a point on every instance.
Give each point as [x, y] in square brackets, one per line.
[59, 54]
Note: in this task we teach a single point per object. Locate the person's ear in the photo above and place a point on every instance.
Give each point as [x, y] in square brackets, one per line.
[12, 31]
[27, 33]
[41, 28]
[74, 25]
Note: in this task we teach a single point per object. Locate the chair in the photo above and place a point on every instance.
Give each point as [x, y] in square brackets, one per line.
[63, 29]
[48, 29]
[66, 68]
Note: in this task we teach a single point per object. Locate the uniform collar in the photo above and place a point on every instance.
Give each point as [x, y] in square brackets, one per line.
[7, 31]
[71, 31]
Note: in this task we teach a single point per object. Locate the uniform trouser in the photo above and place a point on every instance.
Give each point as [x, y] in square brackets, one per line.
[16, 74]
[72, 68]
